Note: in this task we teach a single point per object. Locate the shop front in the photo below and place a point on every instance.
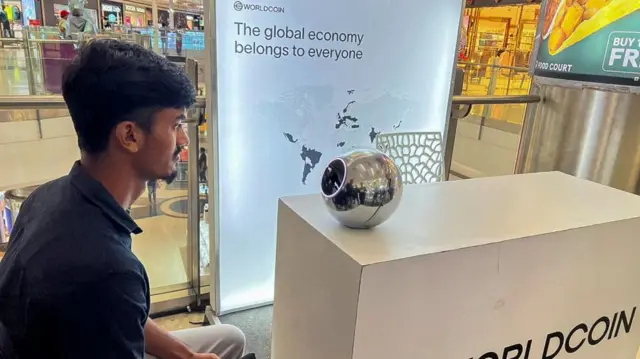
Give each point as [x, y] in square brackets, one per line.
[135, 16]
[14, 16]
[148, 14]
[111, 13]
[163, 17]
[186, 21]
[180, 20]
[194, 22]
[495, 51]
[493, 30]
[28, 11]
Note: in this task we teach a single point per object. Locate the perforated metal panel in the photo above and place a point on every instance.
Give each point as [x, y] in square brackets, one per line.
[418, 155]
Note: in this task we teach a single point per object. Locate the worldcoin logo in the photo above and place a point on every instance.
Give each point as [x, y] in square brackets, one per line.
[237, 5]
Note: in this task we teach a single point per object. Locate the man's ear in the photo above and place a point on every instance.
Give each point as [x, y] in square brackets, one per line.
[129, 136]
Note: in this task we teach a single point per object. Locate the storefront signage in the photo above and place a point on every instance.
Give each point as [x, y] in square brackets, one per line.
[598, 41]
[563, 342]
[134, 8]
[487, 3]
[302, 86]
[110, 8]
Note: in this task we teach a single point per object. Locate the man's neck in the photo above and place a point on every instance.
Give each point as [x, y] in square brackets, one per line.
[119, 180]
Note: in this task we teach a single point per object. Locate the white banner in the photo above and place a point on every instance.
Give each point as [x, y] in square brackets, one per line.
[300, 82]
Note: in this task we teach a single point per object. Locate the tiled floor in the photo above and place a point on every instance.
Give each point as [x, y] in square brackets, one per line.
[180, 321]
[160, 249]
[162, 246]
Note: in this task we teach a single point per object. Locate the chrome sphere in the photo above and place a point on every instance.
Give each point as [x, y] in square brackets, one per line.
[362, 188]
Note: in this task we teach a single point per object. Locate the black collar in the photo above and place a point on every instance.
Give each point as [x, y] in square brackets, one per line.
[95, 192]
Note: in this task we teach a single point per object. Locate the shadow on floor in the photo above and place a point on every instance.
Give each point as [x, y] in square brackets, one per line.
[256, 325]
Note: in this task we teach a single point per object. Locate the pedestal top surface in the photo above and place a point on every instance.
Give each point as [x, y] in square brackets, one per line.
[445, 216]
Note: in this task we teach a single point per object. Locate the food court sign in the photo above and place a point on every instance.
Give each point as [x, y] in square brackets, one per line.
[591, 40]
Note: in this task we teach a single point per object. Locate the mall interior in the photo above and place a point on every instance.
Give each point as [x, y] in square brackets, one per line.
[510, 89]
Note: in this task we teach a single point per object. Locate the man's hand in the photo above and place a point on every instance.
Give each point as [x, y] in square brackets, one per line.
[204, 356]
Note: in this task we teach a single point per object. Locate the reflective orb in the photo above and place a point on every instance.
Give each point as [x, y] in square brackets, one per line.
[362, 188]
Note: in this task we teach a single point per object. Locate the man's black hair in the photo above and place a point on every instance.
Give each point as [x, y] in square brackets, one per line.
[111, 81]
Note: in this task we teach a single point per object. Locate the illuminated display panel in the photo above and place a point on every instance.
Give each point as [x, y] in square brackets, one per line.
[300, 82]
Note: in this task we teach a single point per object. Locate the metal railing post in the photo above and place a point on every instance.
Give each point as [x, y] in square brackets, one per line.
[193, 194]
[28, 58]
[452, 127]
[56, 102]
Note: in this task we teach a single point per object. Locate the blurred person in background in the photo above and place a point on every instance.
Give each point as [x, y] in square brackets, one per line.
[6, 24]
[152, 193]
[69, 281]
[203, 166]
[62, 23]
[106, 24]
[78, 25]
[179, 41]
[164, 37]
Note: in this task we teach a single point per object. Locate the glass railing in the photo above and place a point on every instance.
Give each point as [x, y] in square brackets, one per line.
[490, 80]
[33, 61]
[174, 246]
[482, 147]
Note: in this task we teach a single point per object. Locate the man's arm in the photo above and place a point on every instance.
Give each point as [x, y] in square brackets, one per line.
[163, 345]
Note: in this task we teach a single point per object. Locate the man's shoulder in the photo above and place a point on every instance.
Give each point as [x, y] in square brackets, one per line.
[59, 207]
[58, 230]
[53, 193]
[89, 256]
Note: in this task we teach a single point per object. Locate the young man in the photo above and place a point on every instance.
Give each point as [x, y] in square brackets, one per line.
[70, 287]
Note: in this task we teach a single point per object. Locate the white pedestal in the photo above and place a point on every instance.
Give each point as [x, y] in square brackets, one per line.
[485, 269]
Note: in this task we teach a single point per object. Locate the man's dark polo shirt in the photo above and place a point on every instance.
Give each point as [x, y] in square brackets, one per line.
[70, 287]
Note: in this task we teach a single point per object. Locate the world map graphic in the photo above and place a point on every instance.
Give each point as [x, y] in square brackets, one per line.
[322, 123]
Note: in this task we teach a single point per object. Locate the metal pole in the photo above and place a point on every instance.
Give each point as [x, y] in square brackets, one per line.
[31, 81]
[453, 124]
[52, 102]
[171, 25]
[193, 194]
[211, 83]
[193, 213]
[154, 25]
[525, 132]
[494, 100]
[29, 62]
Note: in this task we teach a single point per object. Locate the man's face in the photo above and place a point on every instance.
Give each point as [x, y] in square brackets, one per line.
[156, 153]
